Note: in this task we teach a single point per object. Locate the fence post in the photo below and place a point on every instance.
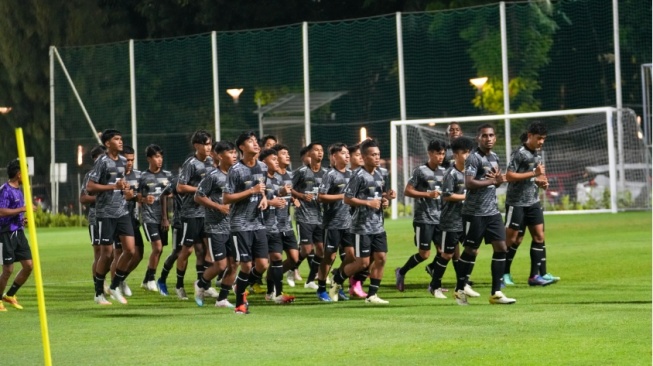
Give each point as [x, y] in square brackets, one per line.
[52, 134]
[132, 89]
[216, 94]
[307, 90]
[505, 76]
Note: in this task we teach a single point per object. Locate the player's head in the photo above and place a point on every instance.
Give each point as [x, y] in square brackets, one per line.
[267, 141]
[153, 149]
[371, 153]
[225, 152]
[269, 157]
[154, 155]
[536, 135]
[339, 153]
[436, 145]
[201, 141]
[454, 130]
[13, 169]
[486, 136]
[315, 151]
[127, 150]
[247, 143]
[283, 155]
[97, 151]
[112, 139]
[461, 147]
[436, 151]
[303, 154]
[355, 157]
[523, 137]
[128, 153]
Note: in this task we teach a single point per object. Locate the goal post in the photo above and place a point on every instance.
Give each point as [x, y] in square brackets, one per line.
[588, 169]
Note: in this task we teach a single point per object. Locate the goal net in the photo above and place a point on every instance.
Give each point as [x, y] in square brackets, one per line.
[593, 162]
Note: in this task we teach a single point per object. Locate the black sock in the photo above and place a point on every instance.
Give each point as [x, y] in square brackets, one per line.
[202, 283]
[241, 286]
[224, 292]
[13, 289]
[362, 275]
[119, 277]
[342, 255]
[536, 258]
[299, 261]
[374, 286]
[435, 260]
[315, 266]
[338, 277]
[149, 274]
[543, 261]
[180, 278]
[200, 270]
[99, 284]
[276, 272]
[167, 266]
[412, 261]
[321, 286]
[512, 251]
[254, 276]
[464, 267]
[497, 267]
[438, 272]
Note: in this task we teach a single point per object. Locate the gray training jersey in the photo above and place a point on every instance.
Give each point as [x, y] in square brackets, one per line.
[106, 171]
[176, 201]
[523, 193]
[336, 215]
[132, 178]
[153, 184]
[192, 172]
[212, 186]
[366, 186]
[270, 215]
[305, 180]
[245, 214]
[425, 179]
[91, 208]
[283, 215]
[451, 216]
[482, 201]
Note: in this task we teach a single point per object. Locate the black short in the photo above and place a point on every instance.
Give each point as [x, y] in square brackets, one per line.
[337, 238]
[14, 247]
[309, 233]
[275, 244]
[217, 245]
[176, 238]
[365, 245]
[110, 228]
[94, 234]
[425, 234]
[450, 240]
[519, 217]
[192, 231]
[155, 232]
[289, 240]
[138, 237]
[248, 245]
[478, 228]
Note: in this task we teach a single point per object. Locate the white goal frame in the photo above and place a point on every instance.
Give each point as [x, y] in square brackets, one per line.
[612, 154]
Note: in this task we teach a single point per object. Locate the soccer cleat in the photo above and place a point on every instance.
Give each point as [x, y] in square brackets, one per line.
[550, 277]
[297, 276]
[13, 301]
[101, 300]
[284, 299]
[311, 285]
[163, 288]
[117, 295]
[124, 289]
[461, 298]
[290, 278]
[2, 307]
[437, 293]
[342, 296]
[334, 291]
[500, 298]
[199, 294]
[181, 294]
[224, 304]
[399, 280]
[324, 296]
[211, 292]
[507, 279]
[242, 309]
[151, 286]
[469, 291]
[257, 289]
[538, 281]
[357, 289]
[329, 281]
[106, 289]
[375, 299]
[270, 297]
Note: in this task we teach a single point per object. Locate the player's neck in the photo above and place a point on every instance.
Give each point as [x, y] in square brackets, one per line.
[249, 159]
[484, 150]
[432, 164]
[200, 157]
[224, 167]
[282, 169]
[340, 167]
[113, 154]
[369, 168]
[154, 169]
[15, 182]
[315, 166]
[271, 173]
[460, 166]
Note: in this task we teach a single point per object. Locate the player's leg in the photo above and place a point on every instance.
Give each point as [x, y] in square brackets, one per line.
[448, 242]
[217, 249]
[423, 235]
[495, 233]
[379, 249]
[514, 226]
[331, 239]
[169, 261]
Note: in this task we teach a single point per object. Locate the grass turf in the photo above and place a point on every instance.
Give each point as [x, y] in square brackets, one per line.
[599, 313]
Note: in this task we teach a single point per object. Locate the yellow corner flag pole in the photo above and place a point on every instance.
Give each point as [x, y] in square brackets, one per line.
[27, 191]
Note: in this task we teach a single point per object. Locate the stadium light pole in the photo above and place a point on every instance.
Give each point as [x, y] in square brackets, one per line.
[479, 83]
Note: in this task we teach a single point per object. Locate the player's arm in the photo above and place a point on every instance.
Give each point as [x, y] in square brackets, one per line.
[323, 196]
[185, 188]
[86, 198]
[229, 198]
[94, 187]
[513, 176]
[8, 212]
[410, 191]
[207, 202]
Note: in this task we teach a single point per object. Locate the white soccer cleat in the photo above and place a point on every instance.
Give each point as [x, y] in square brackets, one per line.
[469, 291]
[500, 298]
[101, 300]
[290, 278]
[224, 304]
[311, 285]
[117, 295]
[181, 294]
[375, 299]
[334, 291]
[211, 292]
[124, 288]
[298, 277]
[461, 297]
[151, 286]
[199, 294]
[438, 294]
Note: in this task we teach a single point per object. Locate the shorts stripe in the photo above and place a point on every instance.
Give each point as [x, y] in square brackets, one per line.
[237, 256]
[357, 245]
[92, 234]
[147, 233]
[183, 235]
[468, 224]
[509, 215]
[210, 246]
[99, 230]
[174, 239]
[418, 237]
[444, 239]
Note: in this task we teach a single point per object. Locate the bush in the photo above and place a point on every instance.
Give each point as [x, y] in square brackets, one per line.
[47, 219]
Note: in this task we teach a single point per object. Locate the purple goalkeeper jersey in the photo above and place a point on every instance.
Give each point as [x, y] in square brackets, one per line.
[11, 197]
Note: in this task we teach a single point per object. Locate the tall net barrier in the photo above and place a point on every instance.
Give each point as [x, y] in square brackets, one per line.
[582, 156]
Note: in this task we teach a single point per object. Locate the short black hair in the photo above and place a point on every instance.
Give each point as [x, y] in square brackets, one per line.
[244, 137]
[265, 153]
[303, 151]
[365, 145]
[353, 148]
[312, 145]
[436, 145]
[462, 143]
[268, 137]
[13, 168]
[523, 137]
[537, 128]
[152, 149]
[109, 134]
[222, 146]
[97, 151]
[336, 148]
[200, 137]
[484, 126]
[126, 149]
[279, 147]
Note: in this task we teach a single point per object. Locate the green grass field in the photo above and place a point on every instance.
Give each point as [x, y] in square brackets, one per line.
[599, 313]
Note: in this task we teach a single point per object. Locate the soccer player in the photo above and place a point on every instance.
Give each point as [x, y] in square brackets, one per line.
[288, 238]
[453, 195]
[245, 192]
[305, 184]
[151, 186]
[275, 191]
[87, 199]
[453, 132]
[268, 142]
[425, 185]
[525, 175]
[13, 242]
[336, 219]
[481, 217]
[193, 170]
[216, 225]
[107, 182]
[177, 201]
[364, 193]
[356, 281]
